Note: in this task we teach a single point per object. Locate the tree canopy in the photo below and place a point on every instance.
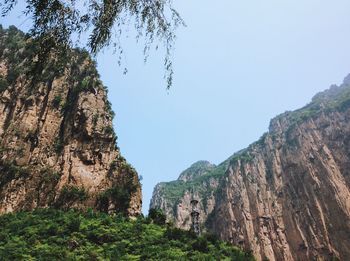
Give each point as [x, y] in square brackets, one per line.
[59, 25]
[49, 234]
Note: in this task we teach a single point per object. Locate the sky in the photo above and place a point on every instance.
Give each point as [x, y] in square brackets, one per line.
[238, 63]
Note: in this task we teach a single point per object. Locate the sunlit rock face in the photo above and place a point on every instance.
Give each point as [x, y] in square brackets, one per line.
[287, 196]
[200, 180]
[57, 143]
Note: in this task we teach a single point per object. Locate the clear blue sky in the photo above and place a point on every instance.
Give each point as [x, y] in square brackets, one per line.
[237, 64]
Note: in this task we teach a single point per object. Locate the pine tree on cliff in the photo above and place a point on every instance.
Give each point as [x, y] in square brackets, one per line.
[58, 24]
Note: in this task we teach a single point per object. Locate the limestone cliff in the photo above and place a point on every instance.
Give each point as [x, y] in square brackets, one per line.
[200, 179]
[287, 196]
[57, 143]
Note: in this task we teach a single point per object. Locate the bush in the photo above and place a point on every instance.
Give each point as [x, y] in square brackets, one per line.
[86, 82]
[109, 130]
[9, 171]
[95, 119]
[119, 196]
[56, 102]
[74, 225]
[3, 84]
[157, 216]
[58, 145]
[201, 245]
[70, 195]
[113, 165]
[49, 176]
[12, 75]
[174, 233]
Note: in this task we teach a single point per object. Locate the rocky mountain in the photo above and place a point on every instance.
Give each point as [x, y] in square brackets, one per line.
[196, 170]
[200, 180]
[177, 209]
[58, 147]
[286, 196]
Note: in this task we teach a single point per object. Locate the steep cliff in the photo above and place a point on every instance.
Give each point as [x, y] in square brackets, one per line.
[200, 180]
[287, 196]
[58, 147]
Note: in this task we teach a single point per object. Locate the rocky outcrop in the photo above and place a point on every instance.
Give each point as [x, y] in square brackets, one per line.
[196, 170]
[58, 147]
[201, 181]
[287, 196]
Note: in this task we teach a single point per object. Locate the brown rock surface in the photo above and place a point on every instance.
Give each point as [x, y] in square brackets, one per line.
[291, 200]
[57, 146]
[174, 198]
[287, 196]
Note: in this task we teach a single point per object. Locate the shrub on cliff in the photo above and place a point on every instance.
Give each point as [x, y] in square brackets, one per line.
[157, 216]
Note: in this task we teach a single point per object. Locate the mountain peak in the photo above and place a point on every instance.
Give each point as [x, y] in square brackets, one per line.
[197, 169]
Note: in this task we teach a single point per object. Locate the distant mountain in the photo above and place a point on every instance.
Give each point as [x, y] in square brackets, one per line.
[285, 197]
[174, 197]
[196, 170]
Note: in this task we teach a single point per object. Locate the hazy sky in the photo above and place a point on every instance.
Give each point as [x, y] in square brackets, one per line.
[238, 63]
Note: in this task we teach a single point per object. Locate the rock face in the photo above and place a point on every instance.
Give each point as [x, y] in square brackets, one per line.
[58, 147]
[287, 196]
[197, 169]
[174, 198]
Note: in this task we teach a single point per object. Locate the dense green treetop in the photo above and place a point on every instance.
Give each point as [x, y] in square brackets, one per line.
[48, 234]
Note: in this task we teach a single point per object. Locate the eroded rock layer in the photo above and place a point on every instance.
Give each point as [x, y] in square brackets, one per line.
[287, 196]
[58, 147]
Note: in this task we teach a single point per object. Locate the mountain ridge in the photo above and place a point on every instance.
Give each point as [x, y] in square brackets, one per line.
[253, 192]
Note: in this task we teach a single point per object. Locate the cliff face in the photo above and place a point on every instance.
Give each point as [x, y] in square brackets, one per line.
[58, 147]
[287, 196]
[196, 170]
[200, 180]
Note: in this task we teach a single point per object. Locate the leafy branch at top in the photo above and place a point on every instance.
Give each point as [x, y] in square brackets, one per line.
[57, 24]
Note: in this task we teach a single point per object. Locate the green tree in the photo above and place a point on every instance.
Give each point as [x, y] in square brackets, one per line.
[157, 216]
[57, 24]
[49, 234]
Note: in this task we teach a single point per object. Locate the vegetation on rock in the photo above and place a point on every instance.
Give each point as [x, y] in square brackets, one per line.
[174, 190]
[336, 98]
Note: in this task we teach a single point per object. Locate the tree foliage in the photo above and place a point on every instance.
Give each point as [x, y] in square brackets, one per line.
[48, 234]
[57, 24]
[157, 216]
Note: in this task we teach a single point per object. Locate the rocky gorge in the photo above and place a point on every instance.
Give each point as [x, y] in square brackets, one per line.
[66, 192]
[286, 196]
